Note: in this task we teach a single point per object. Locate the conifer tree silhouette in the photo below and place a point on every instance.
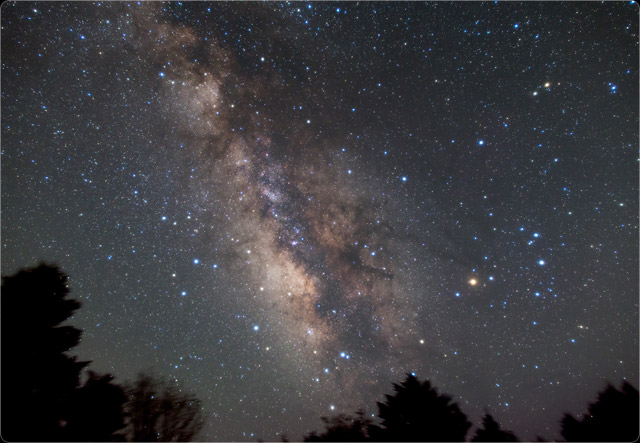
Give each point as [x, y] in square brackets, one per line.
[42, 399]
[491, 431]
[417, 412]
[97, 410]
[614, 416]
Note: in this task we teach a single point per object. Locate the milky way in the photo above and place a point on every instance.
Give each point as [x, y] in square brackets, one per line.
[311, 250]
[286, 207]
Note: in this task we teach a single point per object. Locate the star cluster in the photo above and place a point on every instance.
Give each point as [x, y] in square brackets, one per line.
[288, 206]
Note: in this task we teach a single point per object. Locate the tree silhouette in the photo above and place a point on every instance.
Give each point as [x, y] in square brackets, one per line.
[416, 412]
[159, 411]
[491, 431]
[613, 417]
[42, 399]
[343, 427]
[97, 410]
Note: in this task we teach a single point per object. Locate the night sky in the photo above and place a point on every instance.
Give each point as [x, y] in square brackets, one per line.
[288, 206]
